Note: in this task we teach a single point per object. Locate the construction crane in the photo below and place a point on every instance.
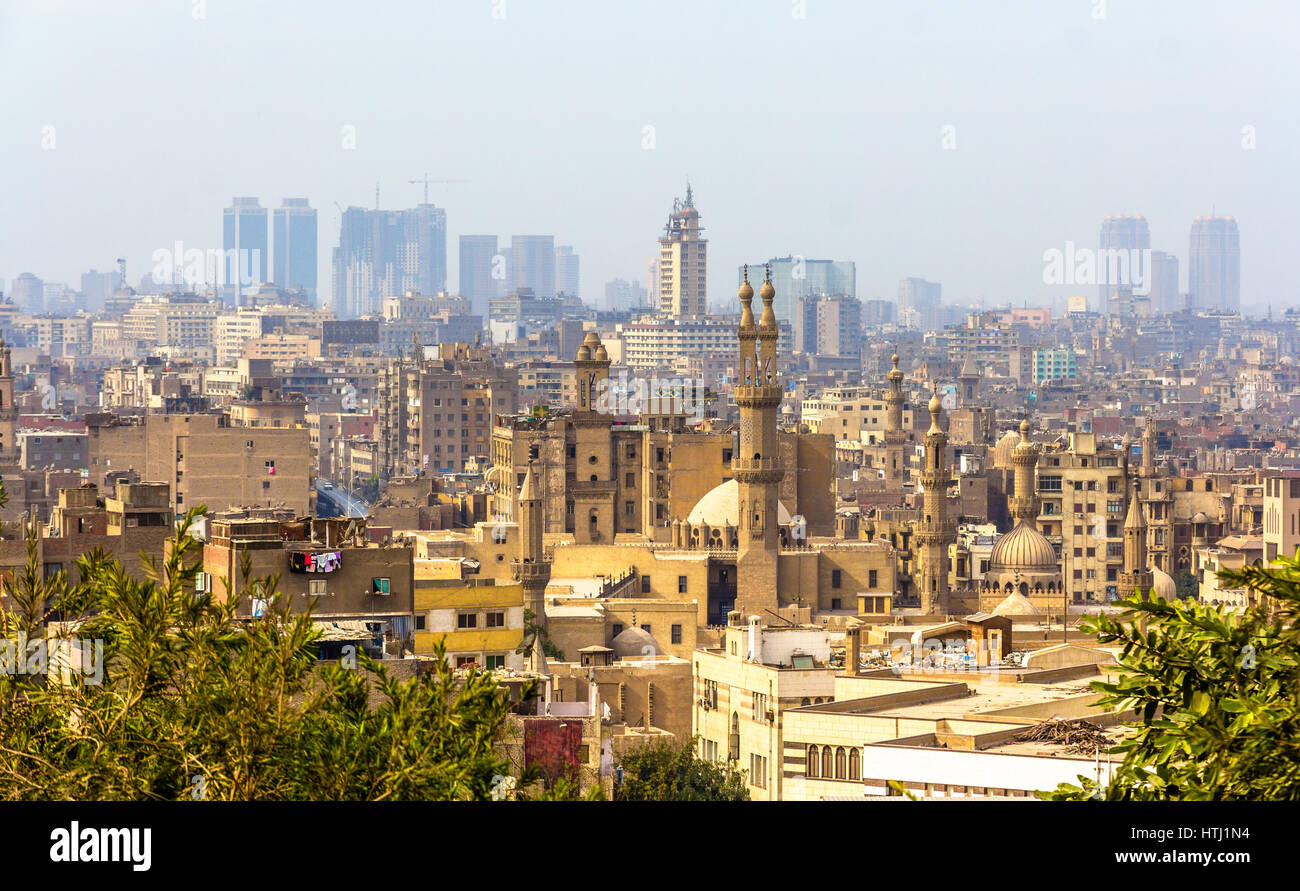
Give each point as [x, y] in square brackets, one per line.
[427, 182]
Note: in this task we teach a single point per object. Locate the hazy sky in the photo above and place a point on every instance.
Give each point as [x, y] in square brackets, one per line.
[820, 135]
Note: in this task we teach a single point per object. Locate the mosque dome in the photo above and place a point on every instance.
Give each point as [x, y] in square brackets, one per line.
[721, 507]
[1023, 549]
[1162, 584]
[1005, 448]
[1015, 604]
[635, 643]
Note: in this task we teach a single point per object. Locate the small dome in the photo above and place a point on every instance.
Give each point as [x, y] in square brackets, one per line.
[767, 292]
[1015, 604]
[1162, 584]
[592, 339]
[1005, 448]
[935, 405]
[746, 290]
[1023, 548]
[635, 643]
[584, 353]
[602, 354]
[721, 507]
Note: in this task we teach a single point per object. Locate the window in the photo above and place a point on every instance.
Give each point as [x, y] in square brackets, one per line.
[810, 762]
[828, 766]
[855, 764]
[841, 763]
[497, 661]
[681, 584]
[467, 620]
[645, 584]
[871, 578]
[758, 771]
[379, 586]
[465, 661]
[419, 623]
[677, 634]
[496, 619]
[836, 603]
[616, 629]
[629, 480]
[835, 578]
[316, 588]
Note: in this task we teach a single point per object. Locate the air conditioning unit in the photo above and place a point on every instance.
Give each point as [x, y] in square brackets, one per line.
[771, 716]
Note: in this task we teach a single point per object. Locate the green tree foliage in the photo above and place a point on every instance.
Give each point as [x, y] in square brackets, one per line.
[197, 704]
[670, 771]
[1217, 694]
[1186, 585]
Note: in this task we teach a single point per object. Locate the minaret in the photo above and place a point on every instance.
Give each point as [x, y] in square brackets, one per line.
[1136, 578]
[757, 464]
[595, 485]
[1149, 448]
[1024, 500]
[969, 379]
[933, 532]
[8, 411]
[532, 568]
[895, 437]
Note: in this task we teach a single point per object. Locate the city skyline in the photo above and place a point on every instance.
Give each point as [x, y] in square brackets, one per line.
[964, 185]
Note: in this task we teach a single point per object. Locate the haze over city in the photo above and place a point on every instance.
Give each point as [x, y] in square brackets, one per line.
[956, 142]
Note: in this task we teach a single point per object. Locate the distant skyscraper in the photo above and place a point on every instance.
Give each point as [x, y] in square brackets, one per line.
[566, 271]
[96, 287]
[243, 227]
[1214, 264]
[1164, 283]
[920, 304]
[683, 262]
[532, 264]
[478, 262]
[29, 293]
[385, 253]
[295, 247]
[798, 277]
[1114, 270]
[624, 295]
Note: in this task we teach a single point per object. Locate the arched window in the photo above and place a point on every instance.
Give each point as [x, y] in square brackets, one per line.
[828, 767]
[810, 767]
[841, 763]
[855, 765]
[806, 701]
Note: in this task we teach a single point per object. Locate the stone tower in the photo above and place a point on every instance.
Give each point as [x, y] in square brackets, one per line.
[8, 411]
[969, 380]
[532, 569]
[757, 464]
[1024, 500]
[895, 437]
[595, 485]
[1149, 448]
[933, 531]
[1136, 578]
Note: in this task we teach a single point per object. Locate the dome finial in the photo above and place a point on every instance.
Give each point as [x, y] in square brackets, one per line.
[767, 292]
[746, 289]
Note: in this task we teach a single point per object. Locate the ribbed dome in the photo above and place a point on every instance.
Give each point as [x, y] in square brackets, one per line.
[721, 507]
[635, 642]
[1162, 584]
[1006, 446]
[1024, 548]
